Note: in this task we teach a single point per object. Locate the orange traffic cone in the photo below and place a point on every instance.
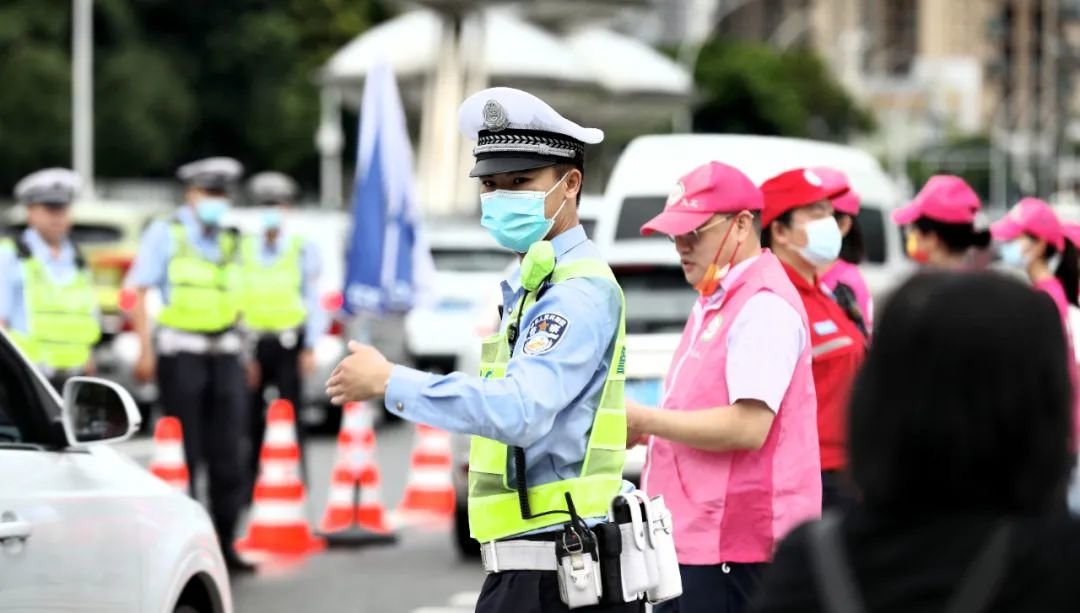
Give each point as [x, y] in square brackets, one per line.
[429, 492]
[278, 524]
[354, 511]
[168, 463]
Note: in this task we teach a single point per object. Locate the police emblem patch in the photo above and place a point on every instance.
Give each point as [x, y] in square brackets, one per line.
[495, 118]
[544, 333]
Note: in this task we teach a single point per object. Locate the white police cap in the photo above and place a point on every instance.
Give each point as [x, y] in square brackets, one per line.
[273, 187]
[517, 131]
[56, 186]
[216, 173]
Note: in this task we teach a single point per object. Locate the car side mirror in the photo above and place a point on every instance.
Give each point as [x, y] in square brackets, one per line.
[98, 411]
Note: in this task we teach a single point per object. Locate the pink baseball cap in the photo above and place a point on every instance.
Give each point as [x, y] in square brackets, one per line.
[706, 191]
[793, 189]
[835, 182]
[847, 202]
[944, 198]
[1071, 230]
[1030, 216]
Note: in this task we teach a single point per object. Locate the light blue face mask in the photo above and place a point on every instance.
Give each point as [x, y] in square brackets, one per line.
[823, 241]
[516, 219]
[271, 219]
[211, 210]
[1012, 254]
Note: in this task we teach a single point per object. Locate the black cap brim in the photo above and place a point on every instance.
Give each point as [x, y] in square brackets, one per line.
[500, 165]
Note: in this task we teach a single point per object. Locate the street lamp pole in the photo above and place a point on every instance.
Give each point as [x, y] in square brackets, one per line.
[82, 99]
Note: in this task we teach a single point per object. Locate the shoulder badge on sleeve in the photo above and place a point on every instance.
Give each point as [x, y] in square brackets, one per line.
[544, 333]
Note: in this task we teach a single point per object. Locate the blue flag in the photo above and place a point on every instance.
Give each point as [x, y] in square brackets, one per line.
[387, 260]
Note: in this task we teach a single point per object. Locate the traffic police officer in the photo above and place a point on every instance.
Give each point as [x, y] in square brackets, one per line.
[547, 413]
[196, 355]
[47, 299]
[279, 303]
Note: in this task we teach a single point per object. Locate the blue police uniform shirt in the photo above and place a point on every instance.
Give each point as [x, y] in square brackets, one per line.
[310, 269]
[151, 266]
[61, 269]
[549, 396]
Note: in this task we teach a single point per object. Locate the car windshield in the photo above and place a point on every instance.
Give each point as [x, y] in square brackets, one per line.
[658, 299]
[470, 260]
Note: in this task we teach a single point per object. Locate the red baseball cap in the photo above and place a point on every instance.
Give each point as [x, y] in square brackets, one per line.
[1071, 230]
[944, 198]
[847, 202]
[793, 189]
[1030, 216]
[706, 191]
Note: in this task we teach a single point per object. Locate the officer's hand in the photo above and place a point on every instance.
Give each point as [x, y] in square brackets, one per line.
[360, 376]
[307, 362]
[90, 369]
[635, 430]
[145, 367]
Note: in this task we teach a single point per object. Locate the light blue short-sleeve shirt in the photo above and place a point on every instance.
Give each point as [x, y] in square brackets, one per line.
[551, 391]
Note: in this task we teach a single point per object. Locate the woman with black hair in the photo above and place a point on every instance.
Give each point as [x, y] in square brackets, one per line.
[959, 430]
[843, 277]
[941, 224]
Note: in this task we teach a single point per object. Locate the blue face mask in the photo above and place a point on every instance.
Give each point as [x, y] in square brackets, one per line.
[823, 241]
[516, 219]
[211, 210]
[1012, 254]
[271, 219]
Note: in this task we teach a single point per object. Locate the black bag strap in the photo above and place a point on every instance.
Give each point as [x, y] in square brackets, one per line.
[845, 298]
[839, 593]
[832, 572]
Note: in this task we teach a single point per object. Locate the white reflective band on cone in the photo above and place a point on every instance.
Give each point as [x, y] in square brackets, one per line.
[279, 472]
[341, 494]
[280, 435]
[171, 454]
[422, 478]
[278, 513]
[369, 495]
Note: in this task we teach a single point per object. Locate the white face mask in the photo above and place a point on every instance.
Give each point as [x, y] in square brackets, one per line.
[823, 241]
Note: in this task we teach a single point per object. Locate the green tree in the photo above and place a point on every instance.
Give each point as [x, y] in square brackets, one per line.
[174, 81]
[752, 88]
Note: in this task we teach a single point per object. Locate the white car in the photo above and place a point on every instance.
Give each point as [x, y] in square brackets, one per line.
[650, 166]
[658, 302]
[469, 264]
[83, 527]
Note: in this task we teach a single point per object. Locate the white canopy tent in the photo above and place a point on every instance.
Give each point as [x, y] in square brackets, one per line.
[593, 75]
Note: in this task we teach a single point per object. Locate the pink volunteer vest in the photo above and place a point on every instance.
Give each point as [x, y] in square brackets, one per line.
[736, 506]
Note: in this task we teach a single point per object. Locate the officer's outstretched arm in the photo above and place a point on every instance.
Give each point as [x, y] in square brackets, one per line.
[564, 340]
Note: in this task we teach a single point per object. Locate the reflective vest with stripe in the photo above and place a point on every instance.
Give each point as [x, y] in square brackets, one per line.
[495, 511]
[61, 318]
[202, 293]
[270, 294]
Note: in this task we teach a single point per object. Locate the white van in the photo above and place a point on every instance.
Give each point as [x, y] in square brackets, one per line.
[650, 166]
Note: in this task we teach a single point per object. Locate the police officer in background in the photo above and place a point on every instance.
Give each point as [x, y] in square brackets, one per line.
[47, 300]
[279, 303]
[196, 349]
[547, 412]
